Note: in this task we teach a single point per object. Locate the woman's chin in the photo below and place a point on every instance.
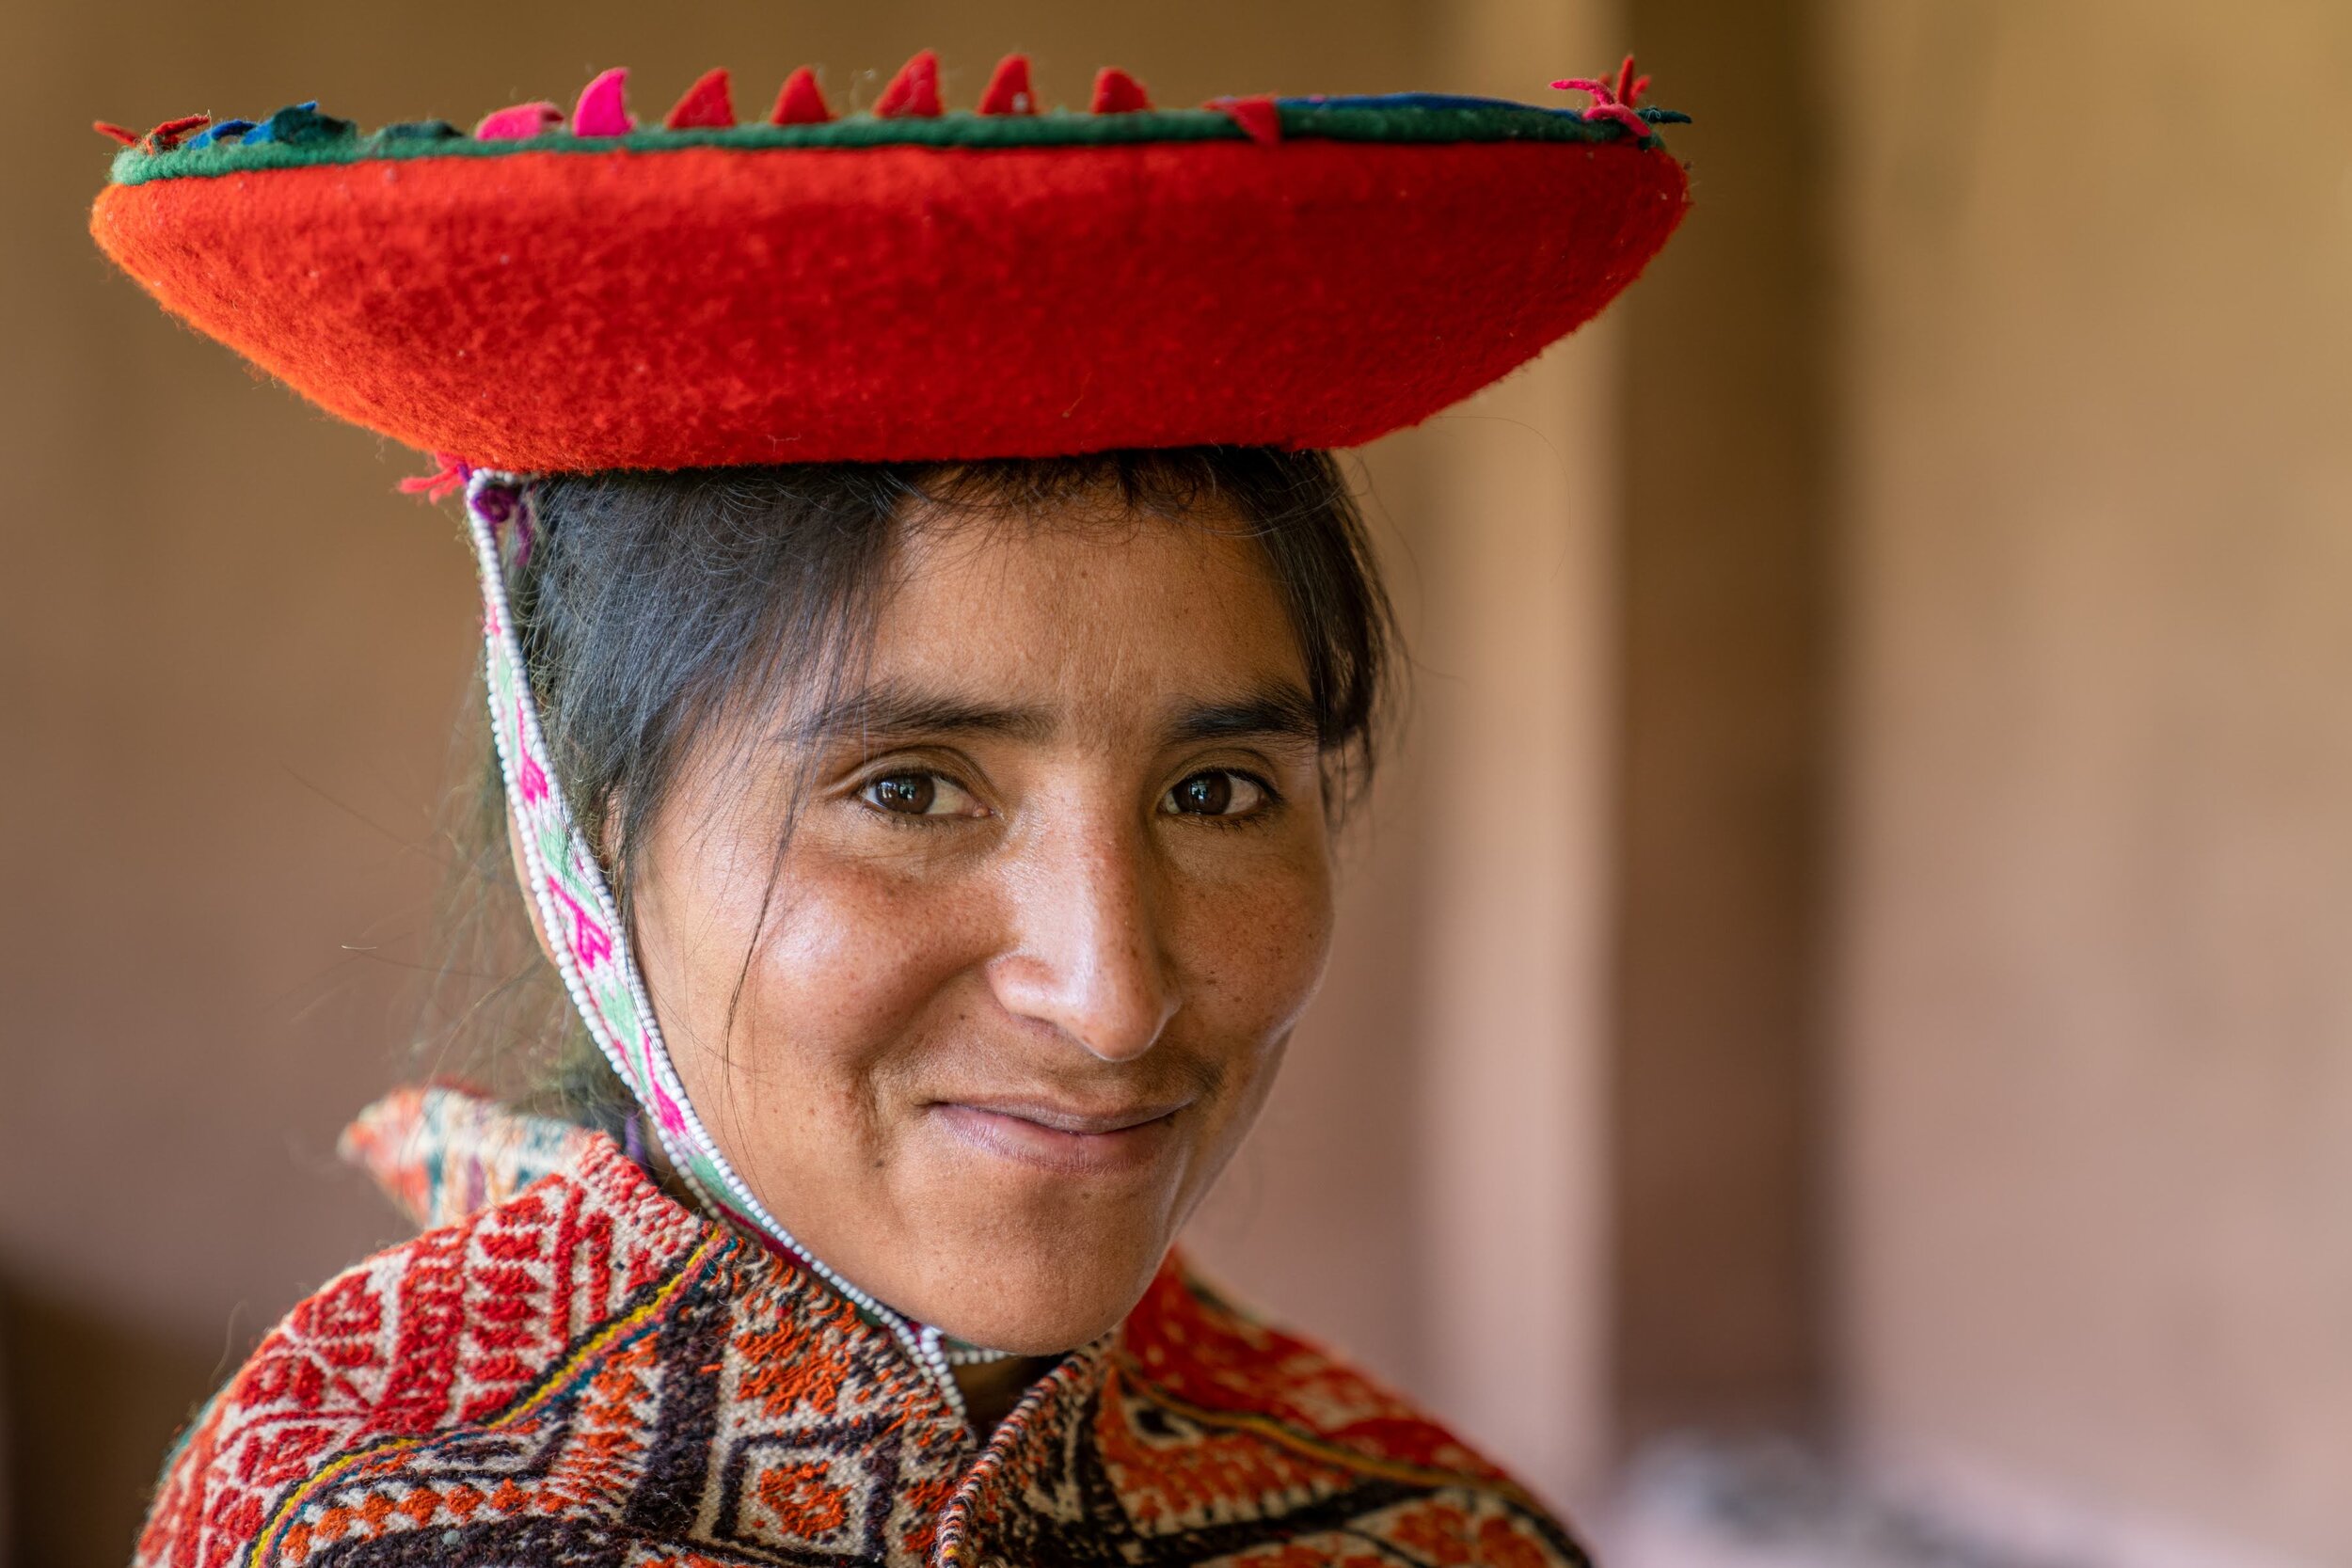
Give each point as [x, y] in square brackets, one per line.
[1039, 1291]
[1016, 1236]
[1042, 1323]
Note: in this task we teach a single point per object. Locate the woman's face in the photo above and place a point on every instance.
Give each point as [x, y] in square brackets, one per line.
[1059, 887]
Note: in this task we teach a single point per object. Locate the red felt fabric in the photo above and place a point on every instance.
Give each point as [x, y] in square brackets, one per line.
[708, 307]
[1008, 91]
[1261, 118]
[913, 93]
[800, 101]
[708, 105]
[1118, 93]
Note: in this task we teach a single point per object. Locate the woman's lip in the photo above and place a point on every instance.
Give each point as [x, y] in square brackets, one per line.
[1058, 1139]
[1066, 1119]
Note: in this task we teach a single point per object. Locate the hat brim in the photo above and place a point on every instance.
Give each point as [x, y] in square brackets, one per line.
[710, 305]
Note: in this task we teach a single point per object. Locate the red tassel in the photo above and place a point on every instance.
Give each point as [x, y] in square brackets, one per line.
[801, 102]
[451, 476]
[914, 93]
[1118, 93]
[1616, 101]
[1629, 86]
[108, 128]
[706, 106]
[171, 132]
[1008, 91]
[1259, 117]
[1622, 116]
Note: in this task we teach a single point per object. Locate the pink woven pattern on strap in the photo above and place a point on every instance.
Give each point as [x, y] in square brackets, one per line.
[584, 930]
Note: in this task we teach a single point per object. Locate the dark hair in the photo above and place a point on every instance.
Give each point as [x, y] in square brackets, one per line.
[654, 606]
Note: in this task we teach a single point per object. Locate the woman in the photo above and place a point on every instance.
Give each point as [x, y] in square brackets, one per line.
[929, 650]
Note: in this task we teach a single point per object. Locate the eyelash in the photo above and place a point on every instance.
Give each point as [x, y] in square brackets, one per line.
[1258, 816]
[908, 818]
[1273, 798]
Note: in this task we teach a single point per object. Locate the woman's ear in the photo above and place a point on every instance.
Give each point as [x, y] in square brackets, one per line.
[522, 884]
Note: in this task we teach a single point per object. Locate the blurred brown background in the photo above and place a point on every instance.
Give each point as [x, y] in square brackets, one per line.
[1842, 1045]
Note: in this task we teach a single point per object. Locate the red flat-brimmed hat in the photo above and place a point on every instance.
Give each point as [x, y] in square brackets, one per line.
[907, 283]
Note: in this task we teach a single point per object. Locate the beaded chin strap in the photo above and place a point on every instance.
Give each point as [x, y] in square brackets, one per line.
[591, 947]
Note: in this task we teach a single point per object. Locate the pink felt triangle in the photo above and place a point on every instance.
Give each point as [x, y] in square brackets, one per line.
[602, 110]
[523, 119]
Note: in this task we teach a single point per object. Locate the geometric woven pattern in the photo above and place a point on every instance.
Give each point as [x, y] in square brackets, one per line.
[589, 1373]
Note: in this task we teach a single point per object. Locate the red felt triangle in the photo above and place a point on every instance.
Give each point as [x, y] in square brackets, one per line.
[1258, 116]
[1008, 90]
[801, 102]
[708, 105]
[1118, 93]
[914, 93]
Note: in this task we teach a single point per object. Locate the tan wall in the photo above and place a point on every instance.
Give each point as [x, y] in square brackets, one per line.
[2096, 1106]
[1716, 928]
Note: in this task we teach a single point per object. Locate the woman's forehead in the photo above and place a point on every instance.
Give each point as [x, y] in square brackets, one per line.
[1137, 611]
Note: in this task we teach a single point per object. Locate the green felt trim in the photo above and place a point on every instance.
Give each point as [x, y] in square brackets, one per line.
[957, 129]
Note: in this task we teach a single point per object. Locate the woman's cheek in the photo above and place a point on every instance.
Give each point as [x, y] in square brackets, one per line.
[856, 955]
[1254, 948]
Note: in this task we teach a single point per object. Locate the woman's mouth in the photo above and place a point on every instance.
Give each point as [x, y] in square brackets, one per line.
[1066, 1139]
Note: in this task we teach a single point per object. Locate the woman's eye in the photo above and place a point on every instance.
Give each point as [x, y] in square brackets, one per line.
[917, 795]
[1217, 793]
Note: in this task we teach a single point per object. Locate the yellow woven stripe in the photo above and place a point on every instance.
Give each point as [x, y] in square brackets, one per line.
[593, 1346]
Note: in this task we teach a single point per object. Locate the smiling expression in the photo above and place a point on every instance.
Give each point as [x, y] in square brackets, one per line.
[984, 1026]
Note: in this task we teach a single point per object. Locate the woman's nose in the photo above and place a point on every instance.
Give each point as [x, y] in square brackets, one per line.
[1087, 956]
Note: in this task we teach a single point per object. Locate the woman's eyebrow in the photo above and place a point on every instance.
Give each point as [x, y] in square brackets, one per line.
[1278, 712]
[892, 712]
